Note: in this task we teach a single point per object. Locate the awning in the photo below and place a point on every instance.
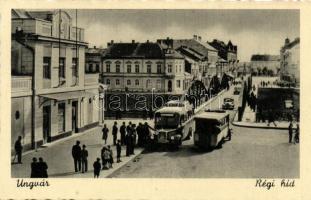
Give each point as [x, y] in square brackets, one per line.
[67, 95]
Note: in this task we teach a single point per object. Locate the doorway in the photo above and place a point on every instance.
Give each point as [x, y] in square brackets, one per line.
[169, 86]
[74, 116]
[46, 124]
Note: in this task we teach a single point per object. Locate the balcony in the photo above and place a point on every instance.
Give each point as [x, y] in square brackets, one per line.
[91, 79]
[21, 85]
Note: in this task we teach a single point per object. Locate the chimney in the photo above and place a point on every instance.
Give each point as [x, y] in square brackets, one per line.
[199, 38]
[108, 44]
[133, 41]
[147, 41]
[111, 42]
[94, 47]
[195, 37]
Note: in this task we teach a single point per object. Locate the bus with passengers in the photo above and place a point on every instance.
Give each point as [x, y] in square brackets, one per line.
[173, 124]
[211, 129]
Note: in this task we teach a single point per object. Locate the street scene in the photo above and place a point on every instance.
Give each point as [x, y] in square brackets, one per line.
[89, 101]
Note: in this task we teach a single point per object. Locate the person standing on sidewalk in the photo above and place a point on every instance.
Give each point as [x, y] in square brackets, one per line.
[97, 166]
[84, 155]
[76, 154]
[105, 131]
[139, 131]
[296, 138]
[119, 151]
[115, 132]
[122, 133]
[128, 143]
[290, 132]
[34, 168]
[271, 118]
[42, 168]
[103, 157]
[18, 150]
[133, 140]
[110, 156]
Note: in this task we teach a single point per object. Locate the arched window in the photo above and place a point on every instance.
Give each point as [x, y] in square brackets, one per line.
[108, 81]
[136, 82]
[117, 82]
[128, 82]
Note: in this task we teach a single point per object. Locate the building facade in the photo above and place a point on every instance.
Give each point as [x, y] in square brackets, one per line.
[265, 64]
[227, 56]
[52, 96]
[142, 67]
[290, 62]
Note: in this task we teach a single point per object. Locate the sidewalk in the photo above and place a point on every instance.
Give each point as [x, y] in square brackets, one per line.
[59, 159]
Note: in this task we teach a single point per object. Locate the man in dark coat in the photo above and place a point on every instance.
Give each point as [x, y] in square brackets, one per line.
[84, 155]
[18, 149]
[76, 154]
[105, 131]
[128, 143]
[114, 133]
[139, 131]
[34, 168]
[97, 166]
[290, 132]
[133, 139]
[122, 132]
[119, 151]
[42, 168]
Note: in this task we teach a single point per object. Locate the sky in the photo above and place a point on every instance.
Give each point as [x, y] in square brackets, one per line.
[253, 31]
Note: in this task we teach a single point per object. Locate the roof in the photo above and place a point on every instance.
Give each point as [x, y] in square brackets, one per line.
[174, 54]
[211, 115]
[19, 13]
[198, 46]
[170, 110]
[135, 50]
[191, 53]
[94, 51]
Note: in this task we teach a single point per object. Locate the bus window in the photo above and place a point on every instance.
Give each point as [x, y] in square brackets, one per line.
[166, 120]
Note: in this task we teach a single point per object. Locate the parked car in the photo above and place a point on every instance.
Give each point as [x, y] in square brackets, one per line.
[228, 104]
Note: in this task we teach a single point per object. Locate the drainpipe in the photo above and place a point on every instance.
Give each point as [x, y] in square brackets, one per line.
[20, 37]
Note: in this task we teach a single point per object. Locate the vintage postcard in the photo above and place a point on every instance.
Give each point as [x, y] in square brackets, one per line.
[154, 100]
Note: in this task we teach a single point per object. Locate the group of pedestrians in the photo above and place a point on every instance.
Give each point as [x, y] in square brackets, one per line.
[291, 132]
[39, 169]
[80, 157]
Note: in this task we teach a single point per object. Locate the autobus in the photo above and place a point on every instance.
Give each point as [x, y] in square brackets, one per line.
[173, 125]
[211, 129]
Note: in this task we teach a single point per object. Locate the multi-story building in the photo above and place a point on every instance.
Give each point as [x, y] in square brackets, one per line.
[142, 67]
[227, 56]
[207, 54]
[52, 96]
[265, 64]
[290, 61]
[93, 60]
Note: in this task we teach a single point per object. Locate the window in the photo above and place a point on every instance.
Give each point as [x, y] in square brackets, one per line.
[61, 117]
[62, 66]
[179, 68]
[46, 67]
[118, 68]
[136, 82]
[74, 67]
[169, 69]
[178, 83]
[148, 68]
[148, 83]
[176, 68]
[108, 67]
[129, 70]
[117, 82]
[108, 81]
[158, 68]
[158, 84]
[128, 82]
[97, 67]
[136, 68]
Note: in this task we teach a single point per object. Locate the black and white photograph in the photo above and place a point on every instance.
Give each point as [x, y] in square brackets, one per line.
[155, 93]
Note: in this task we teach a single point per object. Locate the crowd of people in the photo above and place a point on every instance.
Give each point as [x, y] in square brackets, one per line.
[129, 136]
